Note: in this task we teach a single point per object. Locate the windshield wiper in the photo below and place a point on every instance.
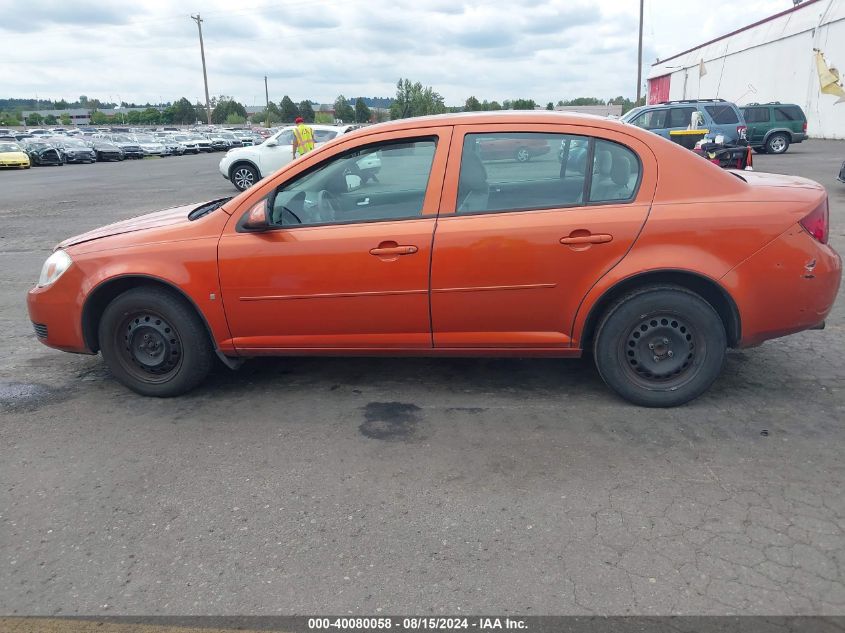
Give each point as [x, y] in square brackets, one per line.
[205, 209]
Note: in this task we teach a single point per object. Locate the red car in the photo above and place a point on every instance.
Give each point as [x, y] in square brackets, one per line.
[629, 247]
[521, 149]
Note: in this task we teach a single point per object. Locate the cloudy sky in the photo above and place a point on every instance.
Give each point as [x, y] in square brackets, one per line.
[547, 50]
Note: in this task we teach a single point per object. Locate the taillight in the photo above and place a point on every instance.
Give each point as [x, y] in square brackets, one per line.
[817, 222]
[805, 127]
[741, 131]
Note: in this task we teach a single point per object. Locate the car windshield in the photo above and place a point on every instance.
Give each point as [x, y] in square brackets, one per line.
[321, 136]
[72, 142]
[39, 145]
[121, 139]
[143, 138]
[9, 147]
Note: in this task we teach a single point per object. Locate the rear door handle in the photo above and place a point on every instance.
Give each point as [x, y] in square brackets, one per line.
[363, 202]
[595, 238]
[382, 251]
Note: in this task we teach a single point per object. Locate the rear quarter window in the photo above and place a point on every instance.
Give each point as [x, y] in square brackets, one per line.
[722, 114]
[788, 113]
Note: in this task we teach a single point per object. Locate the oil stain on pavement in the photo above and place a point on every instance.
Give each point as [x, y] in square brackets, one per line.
[391, 421]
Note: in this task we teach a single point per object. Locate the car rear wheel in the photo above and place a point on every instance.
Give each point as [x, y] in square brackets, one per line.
[777, 144]
[660, 346]
[154, 342]
[522, 155]
[243, 176]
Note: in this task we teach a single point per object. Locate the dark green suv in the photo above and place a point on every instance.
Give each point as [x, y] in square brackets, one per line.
[773, 127]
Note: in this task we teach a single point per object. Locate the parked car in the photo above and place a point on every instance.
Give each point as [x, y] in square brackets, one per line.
[528, 259]
[248, 138]
[12, 155]
[150, 145]
[189, 144]
[247, 165]
[202, 142]
[720, 117]
[171, 146]
[41, 152]
[73, 150]
[521, 149]
[129, 146]
[774, 126]
[105, 150]
[218, 143]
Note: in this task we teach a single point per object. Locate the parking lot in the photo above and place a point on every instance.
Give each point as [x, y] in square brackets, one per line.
[427, 486]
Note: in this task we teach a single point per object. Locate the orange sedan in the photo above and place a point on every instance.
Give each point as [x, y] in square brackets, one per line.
[617, 242]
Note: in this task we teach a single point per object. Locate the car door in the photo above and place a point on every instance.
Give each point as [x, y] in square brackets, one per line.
[332, 273]
[757, 120]
[518, 245]
[275, 156]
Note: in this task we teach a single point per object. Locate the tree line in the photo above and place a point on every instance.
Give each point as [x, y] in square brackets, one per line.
[412, 99]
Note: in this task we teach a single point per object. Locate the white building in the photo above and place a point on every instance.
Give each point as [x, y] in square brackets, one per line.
[770, 60]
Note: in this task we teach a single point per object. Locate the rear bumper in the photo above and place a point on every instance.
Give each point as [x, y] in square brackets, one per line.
[788, 286]
[797, 137]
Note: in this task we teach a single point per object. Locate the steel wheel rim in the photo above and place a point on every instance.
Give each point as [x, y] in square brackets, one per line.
[777, 144]
[661, 351]
[149, 347]
[244, 178]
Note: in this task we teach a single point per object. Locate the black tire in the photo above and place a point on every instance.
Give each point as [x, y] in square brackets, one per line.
[154, 342]
[660, 346]
[777, 143]
[243, 176]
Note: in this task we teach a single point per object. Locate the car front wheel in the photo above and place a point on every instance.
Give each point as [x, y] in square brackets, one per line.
[154, 342]
[660, 346]
[243, 176]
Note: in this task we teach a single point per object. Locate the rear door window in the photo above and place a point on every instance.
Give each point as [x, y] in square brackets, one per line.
[680, 117]
[756, 115]
[561, 168]
[722, 114]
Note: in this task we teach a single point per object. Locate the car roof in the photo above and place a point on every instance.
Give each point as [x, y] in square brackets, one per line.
[501, 116]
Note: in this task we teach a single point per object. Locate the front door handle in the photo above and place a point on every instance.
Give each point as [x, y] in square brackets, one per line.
[591, 238]
[385, 250]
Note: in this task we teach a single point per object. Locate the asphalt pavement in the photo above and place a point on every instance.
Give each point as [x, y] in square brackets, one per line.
[385, 486]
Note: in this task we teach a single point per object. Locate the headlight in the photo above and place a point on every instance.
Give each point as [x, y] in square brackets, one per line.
[53, 268]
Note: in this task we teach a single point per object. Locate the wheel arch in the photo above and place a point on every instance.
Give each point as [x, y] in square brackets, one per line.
[108, 290]
[244, 161]
[777, 130]
[706, 287]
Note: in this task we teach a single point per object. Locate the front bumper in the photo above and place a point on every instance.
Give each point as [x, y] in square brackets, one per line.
[56, 313]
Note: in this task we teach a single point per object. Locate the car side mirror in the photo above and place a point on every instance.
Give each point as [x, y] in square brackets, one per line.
[271, 143]
[353, 182]
[256, 218]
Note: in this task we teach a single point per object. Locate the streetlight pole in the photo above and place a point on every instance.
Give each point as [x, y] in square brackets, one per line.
[196, 18]
[640, 57]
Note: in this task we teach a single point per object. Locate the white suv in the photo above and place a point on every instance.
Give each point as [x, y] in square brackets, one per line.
[245, 166]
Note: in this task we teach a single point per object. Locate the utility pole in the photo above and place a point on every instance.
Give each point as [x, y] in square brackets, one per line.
[639, 57]
[267, 109]
[196, 18]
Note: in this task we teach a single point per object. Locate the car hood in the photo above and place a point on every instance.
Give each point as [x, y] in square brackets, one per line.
[13, 155]
[168, 217]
